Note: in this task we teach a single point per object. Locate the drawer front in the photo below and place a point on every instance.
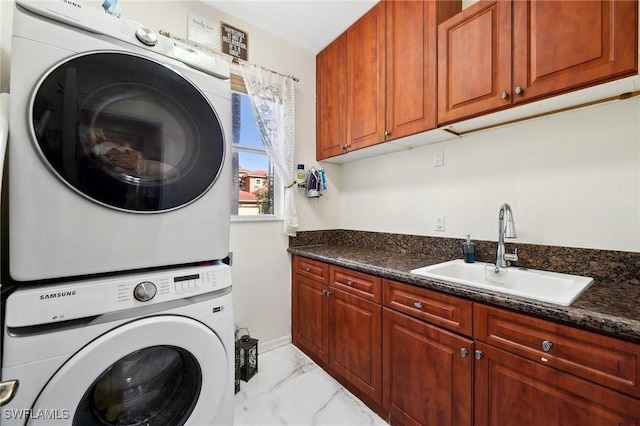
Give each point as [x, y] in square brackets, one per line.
[442, 310]
[356, 283]
[311, 268]
[604, 360]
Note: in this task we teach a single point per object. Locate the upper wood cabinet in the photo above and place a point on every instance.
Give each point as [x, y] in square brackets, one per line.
[377, 81]
[366, 45]
[412, 28]
[498, 53]
[331, 105]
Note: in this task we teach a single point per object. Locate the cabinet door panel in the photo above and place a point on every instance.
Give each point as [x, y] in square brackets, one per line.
[331, 91]
[310, 311]
[510, 390]
[427, 381]
[356, 342]
[366, 85]
[411, 67]
[474, 60]
[560, 45]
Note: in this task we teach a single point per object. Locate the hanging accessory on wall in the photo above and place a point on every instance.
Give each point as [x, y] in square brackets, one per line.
[313, 184]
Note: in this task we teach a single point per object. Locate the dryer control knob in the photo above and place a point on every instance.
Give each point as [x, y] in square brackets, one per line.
[146, 36]
[145, 291]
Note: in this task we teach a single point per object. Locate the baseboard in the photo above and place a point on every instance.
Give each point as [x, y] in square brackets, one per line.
[273, 344]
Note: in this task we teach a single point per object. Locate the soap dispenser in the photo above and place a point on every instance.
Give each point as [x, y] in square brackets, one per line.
[469, 250]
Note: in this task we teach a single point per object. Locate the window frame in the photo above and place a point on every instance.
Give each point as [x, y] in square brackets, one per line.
[237, 86]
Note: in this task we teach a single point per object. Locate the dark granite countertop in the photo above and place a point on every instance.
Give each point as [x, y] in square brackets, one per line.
[607, 307]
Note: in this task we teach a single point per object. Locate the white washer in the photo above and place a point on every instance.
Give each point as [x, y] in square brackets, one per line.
[118, 155]
[152, 348]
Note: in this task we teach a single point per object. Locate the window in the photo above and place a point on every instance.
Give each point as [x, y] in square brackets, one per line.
[253, 193]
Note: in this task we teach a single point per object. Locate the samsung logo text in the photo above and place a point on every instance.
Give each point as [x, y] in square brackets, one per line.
[57, 295]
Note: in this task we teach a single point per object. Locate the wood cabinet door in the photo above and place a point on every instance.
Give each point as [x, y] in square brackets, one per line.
[310, 318]
[411, 67]
[510, 390]
[427, 380]
[356, 342]
[331, 101]
[474, 61]
[563, 45]
[366, 79]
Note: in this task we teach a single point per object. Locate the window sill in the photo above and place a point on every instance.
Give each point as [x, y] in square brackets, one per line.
[262, 218]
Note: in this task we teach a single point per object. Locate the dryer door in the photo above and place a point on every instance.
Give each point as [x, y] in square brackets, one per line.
[127, 132]
[163, 370]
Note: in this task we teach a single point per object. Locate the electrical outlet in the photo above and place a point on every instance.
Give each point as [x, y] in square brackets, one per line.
[438, 158]
[439, 223]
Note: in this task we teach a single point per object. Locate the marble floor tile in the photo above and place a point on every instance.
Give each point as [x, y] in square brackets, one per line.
[290, 389]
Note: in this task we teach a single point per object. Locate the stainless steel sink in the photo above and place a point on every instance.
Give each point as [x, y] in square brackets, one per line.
[550, 287]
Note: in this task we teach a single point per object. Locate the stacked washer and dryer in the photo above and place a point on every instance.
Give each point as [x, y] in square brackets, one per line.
[119, 204]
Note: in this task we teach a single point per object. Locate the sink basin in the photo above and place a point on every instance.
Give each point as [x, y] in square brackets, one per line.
[550, 287]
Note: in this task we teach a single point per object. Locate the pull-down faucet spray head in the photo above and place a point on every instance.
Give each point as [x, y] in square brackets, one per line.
[506, 229]
[509, 225]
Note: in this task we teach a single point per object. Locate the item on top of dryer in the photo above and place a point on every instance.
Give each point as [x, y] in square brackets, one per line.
[313, 184]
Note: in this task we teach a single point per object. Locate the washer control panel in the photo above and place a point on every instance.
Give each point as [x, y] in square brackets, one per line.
[33, 305]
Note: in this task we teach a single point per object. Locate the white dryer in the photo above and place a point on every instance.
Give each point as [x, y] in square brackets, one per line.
[145, 349]
[119, 155]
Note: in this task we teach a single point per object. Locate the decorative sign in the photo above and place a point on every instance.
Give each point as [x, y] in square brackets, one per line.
[202, 31]
[234, 42]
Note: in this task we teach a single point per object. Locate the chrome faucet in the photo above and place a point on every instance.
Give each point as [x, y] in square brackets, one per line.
[506, 229]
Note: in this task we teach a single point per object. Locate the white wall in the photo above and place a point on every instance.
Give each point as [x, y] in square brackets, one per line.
[572, 179]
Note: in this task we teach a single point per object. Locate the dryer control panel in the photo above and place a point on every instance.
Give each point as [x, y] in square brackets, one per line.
[47, 304]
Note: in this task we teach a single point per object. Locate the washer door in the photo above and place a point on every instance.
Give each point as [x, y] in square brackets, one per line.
[163, 371]
[127, 132]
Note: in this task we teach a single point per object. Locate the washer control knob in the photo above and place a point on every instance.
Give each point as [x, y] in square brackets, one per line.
[145, 291]
[146, 36]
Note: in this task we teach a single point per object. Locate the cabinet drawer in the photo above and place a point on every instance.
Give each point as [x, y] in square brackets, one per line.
[310, 268]
[356, 283]
[605, 360]
[439, 309]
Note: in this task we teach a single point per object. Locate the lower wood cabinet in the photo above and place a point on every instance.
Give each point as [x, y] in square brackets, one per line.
[310, 331]
[355, 343]
[421, 357]
[511, 390]
[428, 373]
[338, 323]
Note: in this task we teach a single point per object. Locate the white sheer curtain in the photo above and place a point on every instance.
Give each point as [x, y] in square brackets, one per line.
[272, 100]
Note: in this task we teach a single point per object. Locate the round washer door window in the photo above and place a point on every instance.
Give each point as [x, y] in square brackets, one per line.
[153, 386]
[127, 132]
[157, 371]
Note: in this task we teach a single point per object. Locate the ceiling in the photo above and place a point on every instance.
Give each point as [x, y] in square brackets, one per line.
[311, 24]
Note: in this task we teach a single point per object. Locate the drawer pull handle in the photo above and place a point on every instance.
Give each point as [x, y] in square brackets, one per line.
[547, 345]
[350, 283]
[307, 269]
[464, 352]
[418, 305]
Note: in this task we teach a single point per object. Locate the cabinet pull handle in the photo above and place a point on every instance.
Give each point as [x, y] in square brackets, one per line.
[547, 345]
[478, 354]
[307, 269]
[350, 283]
[519, 90]
[418, 305]
[504, 94]
[387, 133]
[464, 352]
